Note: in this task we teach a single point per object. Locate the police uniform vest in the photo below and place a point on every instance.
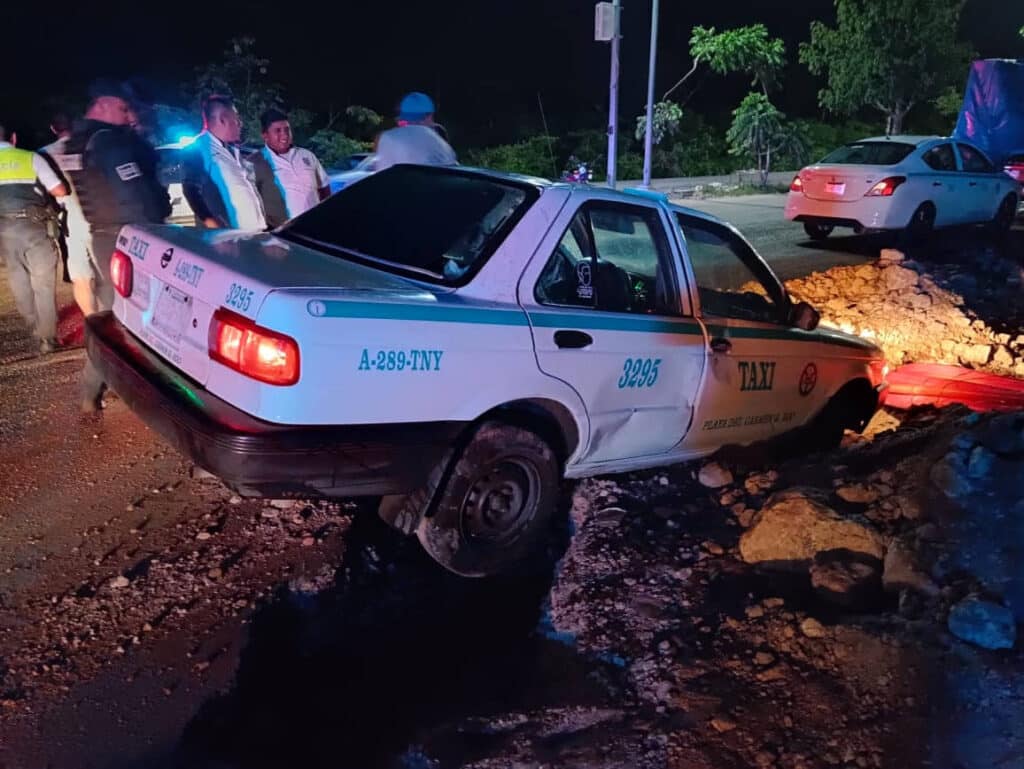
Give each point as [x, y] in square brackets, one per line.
[115, 182]
[19, 192]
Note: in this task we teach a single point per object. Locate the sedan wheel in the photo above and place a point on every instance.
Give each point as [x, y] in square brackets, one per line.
[1007, 212]
[921, 224]
[817, 231]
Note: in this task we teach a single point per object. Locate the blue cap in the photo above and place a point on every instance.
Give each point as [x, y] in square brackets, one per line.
[415, 106]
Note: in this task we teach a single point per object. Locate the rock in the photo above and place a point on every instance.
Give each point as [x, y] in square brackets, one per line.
[890, 256]
[1004, 434]
[714, 476]
[754, 612]
[235, 500]
[900, 571]
[793, 527]
[308, 541]
[746, 518]
[773, 603]
[215, 573]
[759, 483]
[980, 463]
[119, 582]
[713, 547]
[975, 354]
[722, 725]
[858, 493]
[1003, 357]
[847, 579]
[270, 513]
[811, 628]
[763, 659]
[983, 623]
[202, 475]
[282, 504]
[899, 279]
[948, 475]
[203, 536]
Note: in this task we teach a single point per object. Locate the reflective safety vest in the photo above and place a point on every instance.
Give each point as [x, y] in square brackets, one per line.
[18, 188]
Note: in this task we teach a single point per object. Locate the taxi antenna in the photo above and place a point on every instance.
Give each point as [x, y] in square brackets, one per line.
[547, 135]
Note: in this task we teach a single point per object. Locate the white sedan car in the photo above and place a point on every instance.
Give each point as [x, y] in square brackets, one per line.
[459, 341]
[906, 183]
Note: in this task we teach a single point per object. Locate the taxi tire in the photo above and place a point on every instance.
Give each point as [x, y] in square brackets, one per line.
[849, 409]
[920, 227]
[496, 448]
[1002, 223]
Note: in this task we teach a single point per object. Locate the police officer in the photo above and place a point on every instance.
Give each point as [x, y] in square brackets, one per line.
[116, 183]
[28, 228]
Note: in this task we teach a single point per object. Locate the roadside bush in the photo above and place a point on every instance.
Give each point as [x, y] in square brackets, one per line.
[333, 146]
[531, 156]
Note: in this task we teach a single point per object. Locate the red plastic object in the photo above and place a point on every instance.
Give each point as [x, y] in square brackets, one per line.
[938, 384]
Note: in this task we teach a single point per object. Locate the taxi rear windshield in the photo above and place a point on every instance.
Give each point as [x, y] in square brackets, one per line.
[434, 224]
[869, 154]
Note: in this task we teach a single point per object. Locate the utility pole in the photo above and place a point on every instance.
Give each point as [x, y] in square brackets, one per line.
[650, 95]
[606, 28]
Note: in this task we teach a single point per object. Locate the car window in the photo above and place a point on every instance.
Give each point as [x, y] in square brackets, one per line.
[612, 257]
[732, 281]
[940, 158]
[436, 224]
[169, 167]
[973, 160]
[881, 153]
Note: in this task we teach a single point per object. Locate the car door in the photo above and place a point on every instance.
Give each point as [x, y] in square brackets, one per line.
[610, 318]
[761, 377]
[945, 185]
[982, 183]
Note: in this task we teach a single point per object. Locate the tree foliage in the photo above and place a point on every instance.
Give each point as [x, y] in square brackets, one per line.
[759, 132]
[744, 49]
[664, 121]
[886, 54]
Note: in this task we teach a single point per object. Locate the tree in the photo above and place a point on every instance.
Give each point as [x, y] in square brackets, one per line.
[886, 54]
[665, 121]
[744, 49]
[759, 132]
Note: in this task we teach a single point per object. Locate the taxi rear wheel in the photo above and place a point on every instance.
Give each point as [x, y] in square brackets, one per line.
[817, 230]
[849, 409]
[493, 513]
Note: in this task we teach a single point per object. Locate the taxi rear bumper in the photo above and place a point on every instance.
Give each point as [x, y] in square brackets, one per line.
[258, 458]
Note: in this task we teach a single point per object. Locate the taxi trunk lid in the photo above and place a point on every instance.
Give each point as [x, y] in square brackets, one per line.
[181, 276]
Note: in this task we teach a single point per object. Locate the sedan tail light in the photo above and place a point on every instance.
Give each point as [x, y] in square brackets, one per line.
[252, 350]
[1016, 170]
[886, 187]
[121, 271]
[796, 185]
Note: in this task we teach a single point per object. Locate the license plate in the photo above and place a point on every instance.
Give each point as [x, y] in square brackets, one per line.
[835, 188]
[173, 310]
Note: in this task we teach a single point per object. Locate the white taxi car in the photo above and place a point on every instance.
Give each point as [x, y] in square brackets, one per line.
[458, 340]
[907, 183]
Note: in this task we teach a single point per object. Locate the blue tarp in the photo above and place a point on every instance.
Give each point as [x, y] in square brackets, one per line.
[992, 116]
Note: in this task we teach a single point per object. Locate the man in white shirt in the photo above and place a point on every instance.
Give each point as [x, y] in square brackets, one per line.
[414, 140]
[77, 237]
[289, 179]
[219, 183]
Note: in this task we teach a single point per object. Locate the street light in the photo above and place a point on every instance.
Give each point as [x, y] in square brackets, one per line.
[650, 95]
[606, 28]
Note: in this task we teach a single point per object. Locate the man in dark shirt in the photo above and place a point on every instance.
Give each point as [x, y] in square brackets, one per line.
[116, 181]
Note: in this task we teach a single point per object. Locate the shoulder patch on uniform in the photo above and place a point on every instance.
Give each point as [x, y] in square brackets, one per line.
[128, 171]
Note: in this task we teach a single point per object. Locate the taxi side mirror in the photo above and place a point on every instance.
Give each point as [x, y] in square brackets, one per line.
[802, 315]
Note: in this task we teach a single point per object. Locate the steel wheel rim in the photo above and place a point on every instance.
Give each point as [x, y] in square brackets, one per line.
[501, 502]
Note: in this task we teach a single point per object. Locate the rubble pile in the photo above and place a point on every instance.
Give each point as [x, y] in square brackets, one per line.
[925, 313]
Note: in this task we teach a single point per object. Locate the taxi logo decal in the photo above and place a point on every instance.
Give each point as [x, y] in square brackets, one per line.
[808, 379]
[316, 308]
[756, 375]
[165, 257]
[584, 287]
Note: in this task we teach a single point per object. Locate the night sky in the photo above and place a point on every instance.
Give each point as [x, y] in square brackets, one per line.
[484, 61]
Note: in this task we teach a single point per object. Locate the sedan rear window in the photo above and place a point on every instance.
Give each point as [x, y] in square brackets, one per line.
[869, 154]
[436, 224]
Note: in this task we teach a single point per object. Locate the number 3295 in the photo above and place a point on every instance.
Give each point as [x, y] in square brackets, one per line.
[639, 372]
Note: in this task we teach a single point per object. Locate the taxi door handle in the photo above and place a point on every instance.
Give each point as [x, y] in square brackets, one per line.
[573, 340]
[936, 184]
[972, 184]
[721, 344]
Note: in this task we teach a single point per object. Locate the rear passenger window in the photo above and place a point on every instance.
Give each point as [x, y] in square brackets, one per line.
[974, 161]
[941, 158]
[614, 258]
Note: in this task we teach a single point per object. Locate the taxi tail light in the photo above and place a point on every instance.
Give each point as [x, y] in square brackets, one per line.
[121, 271]
[886, 187]
[252, 350]
[796, 185]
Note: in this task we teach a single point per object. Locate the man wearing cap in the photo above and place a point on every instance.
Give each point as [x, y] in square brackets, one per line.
[290, 179]
[414, 140]
[114, 174]
[26, 244]
[220, 184]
